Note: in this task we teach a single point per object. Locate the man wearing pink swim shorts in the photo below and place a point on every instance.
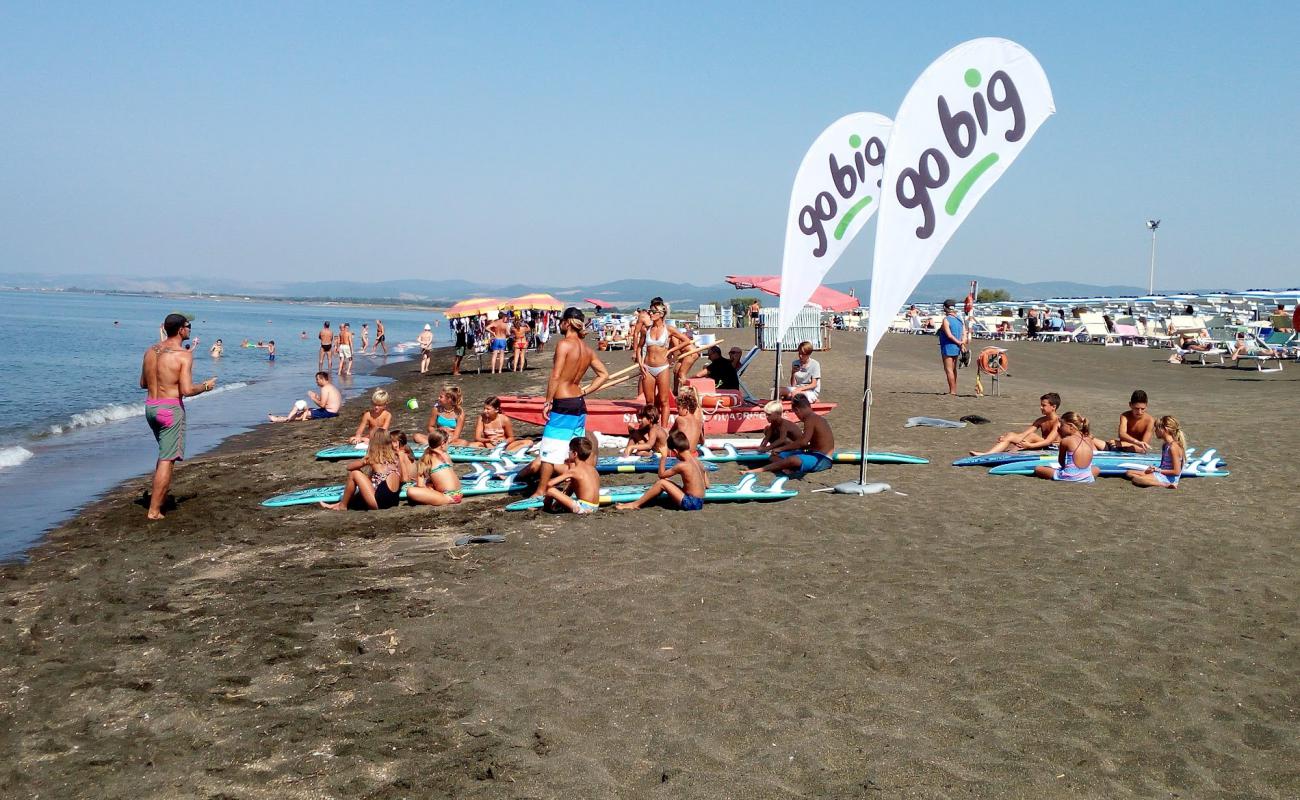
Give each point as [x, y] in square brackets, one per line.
[167, 373]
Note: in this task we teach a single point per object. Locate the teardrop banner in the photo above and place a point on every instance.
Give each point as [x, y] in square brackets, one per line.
[835, 192]
[961, 125]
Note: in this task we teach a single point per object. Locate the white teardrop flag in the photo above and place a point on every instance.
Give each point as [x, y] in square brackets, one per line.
[835, 192]
[961, 125]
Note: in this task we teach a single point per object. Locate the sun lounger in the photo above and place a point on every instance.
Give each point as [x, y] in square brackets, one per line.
[1130, 334]
[1095, 330]
[1260, 355]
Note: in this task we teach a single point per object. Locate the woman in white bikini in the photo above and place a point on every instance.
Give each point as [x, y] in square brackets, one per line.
[657, 339]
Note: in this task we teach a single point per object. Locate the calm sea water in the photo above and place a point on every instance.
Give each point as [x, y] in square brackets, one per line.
[72, 413]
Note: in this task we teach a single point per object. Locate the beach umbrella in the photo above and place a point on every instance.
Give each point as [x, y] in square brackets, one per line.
[538, 300]
[473, 307]
[828, 299]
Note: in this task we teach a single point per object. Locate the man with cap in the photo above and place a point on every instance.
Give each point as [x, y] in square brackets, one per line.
[167, 373]
[425, 340]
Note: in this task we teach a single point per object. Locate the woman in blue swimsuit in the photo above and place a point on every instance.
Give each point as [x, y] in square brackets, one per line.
[952, 340]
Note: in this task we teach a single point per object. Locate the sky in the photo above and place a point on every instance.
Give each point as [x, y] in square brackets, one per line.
[565, 144]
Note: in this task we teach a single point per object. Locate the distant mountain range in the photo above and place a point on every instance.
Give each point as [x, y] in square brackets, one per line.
[619, 294]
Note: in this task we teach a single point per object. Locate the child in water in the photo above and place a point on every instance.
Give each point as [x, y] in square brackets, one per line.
[646, 437]
[492, 428]
[1075, 458]
[690, 495]
[375, 481]
[577, 488]
[1173, 457]
[436, 481]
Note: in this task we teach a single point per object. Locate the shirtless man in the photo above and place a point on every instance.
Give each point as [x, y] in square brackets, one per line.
[327, 403]
[345, 349]
[167, 373]
[425, 340]
[498, 329]
[379, 337]
[811, 452]
[565, 411]
[1042, 434]
[1136, 427]
[325, 361]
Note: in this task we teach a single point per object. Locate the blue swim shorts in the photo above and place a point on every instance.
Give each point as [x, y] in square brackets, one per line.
[498, 344]
[810, 462]
[691, 503]
[320, 413]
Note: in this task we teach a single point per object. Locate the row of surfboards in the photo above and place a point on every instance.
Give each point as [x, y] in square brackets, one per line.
[494, 471]
[1206, 465]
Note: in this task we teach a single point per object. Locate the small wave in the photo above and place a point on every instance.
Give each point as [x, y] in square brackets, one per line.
[13, 456]
[120, 411]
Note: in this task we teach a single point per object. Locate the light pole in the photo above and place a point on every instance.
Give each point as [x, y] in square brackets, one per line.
[1152, 224]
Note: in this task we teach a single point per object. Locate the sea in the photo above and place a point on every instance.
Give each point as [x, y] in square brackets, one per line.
[72, 413]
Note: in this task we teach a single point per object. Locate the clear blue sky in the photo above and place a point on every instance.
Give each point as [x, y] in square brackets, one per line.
[569, 143]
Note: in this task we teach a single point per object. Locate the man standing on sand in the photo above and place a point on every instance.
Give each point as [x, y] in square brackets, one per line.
[425, 340]
[345, 349]
[167, 373]
[498, 329]
[325, 361]
[565, 411]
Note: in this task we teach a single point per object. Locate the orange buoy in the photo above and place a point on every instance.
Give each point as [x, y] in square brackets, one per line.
[994, 361]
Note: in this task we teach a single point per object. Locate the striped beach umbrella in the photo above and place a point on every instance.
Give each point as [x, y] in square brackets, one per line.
[474, 306]
[537, 300]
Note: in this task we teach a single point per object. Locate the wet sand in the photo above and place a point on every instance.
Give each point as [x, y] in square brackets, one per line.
[966, 636]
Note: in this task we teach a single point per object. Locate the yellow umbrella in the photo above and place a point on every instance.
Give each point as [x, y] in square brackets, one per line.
[473, 307]
[538, 300]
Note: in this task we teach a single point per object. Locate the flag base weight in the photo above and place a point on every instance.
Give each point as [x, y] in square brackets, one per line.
[858, 488]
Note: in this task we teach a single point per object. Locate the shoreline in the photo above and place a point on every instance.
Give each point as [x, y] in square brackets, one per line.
[968, 634]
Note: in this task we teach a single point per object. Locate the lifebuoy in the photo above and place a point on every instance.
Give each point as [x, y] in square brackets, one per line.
[994, 360]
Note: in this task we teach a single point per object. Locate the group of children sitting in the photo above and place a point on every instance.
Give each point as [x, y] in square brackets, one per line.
[1070, 432]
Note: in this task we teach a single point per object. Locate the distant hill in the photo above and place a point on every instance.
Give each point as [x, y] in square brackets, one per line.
[625, 293]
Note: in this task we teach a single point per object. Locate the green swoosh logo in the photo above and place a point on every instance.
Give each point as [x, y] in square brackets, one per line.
[847, 219]
[968, 180]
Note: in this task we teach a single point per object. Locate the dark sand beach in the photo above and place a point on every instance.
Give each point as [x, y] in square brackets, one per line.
[967, 636]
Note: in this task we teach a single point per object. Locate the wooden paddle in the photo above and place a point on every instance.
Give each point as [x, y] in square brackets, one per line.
[624, 376]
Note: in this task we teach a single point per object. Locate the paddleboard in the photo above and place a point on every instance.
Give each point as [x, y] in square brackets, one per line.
[1049, 455]
[1109, 468]
[332, 494]
[746, 490]
[730, 454]
[605, 465]
[460, 454]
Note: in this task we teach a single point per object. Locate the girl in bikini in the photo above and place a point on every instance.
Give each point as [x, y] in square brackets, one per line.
[1173, 457]
[375, 481]
[520, 333]
[405, 457]
[492, 428]
[1075, 459]
[447, 416]
[436, 481]
[657, 339]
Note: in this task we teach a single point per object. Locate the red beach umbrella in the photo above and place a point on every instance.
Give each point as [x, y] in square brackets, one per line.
[828, 299]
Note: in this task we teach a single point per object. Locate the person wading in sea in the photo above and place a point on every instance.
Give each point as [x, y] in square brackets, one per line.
[167, 372]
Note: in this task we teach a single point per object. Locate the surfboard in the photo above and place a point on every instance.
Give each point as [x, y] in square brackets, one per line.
[460, 454]
[332, 494]
[744, 491]
[1111, 468]
[1048, 455]
[729, 455]
[605, 465]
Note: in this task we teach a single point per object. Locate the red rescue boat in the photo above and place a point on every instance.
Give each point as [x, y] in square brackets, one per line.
[724, 412]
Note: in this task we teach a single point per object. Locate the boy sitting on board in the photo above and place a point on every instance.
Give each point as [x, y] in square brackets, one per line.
[646, 438]
[780, 432]
[1136, 427]
[689, 419]
[377, 417]
[695, 481]
[577, 487]
[1042, 434]
[811, 452]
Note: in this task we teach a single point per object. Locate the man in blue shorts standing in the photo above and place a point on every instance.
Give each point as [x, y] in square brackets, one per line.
[811, 452]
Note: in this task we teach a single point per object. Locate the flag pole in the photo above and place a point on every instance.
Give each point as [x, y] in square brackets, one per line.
[860, 486]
